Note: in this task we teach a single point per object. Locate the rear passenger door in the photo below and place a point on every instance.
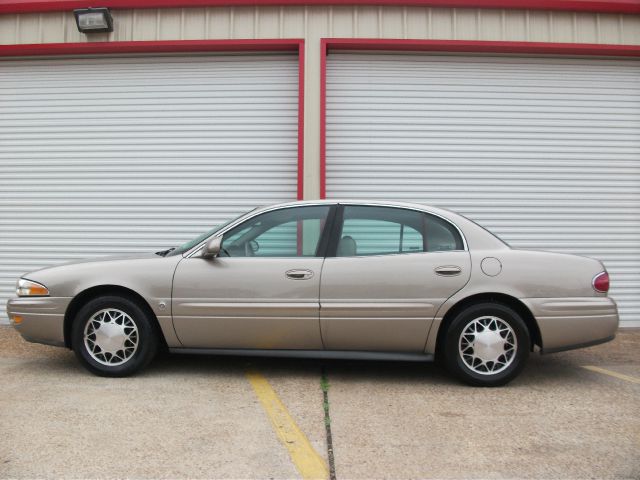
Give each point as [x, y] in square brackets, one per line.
[390, 270]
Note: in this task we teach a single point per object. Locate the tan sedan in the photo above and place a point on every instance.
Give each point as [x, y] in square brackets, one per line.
[326, 279]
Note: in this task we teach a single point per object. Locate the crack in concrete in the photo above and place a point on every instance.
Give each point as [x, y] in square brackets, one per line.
[324, 383]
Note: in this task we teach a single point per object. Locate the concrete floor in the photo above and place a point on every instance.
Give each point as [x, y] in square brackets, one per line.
[198, 417]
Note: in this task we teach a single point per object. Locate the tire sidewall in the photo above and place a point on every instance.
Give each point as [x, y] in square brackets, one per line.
[454, 360]
[147, 340]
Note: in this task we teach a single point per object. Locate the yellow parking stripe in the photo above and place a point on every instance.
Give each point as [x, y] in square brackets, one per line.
[612, 374]
[304, 457]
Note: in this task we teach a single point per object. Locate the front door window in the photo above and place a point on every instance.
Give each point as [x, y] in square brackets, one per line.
[286, 232]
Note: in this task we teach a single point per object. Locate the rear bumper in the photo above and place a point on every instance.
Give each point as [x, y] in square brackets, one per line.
[567, 323]
[42, 318]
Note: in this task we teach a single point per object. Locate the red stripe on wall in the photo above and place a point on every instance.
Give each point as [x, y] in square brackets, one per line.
[452, 46]
[611, 6]
[464, 46]
[323, 117]
[301, 120]
[170, 46]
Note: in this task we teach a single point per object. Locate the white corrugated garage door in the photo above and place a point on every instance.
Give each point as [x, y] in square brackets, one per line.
[544, 152]
[117, 155]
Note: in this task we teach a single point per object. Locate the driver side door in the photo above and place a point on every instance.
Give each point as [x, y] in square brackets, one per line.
[262, 291]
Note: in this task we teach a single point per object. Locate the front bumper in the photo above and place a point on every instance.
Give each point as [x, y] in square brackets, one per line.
[567, 323]
[42, 318]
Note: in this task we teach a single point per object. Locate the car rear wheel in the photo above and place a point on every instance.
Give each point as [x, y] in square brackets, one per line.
[487, 345]
[113, 337]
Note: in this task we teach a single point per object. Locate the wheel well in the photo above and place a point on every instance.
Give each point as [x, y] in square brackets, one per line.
[508, 300]
[99, 291]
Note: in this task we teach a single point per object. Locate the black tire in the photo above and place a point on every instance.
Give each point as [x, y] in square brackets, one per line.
[147, 337]
[481, 376]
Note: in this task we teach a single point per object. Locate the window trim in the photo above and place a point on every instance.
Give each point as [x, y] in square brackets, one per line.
[330, 245]
[327, 232]
[254, 213]
[339, 221]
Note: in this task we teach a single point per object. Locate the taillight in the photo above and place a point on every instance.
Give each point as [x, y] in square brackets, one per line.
[601, 282]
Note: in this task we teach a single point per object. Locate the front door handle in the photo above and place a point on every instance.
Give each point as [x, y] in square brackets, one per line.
[448, 270]
[299, 274]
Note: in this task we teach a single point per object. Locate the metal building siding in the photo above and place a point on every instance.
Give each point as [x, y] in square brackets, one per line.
[544, 152]
[117, 155]
[312, 22]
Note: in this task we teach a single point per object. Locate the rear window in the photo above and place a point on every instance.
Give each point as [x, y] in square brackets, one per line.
[441, 235]
[381, 230]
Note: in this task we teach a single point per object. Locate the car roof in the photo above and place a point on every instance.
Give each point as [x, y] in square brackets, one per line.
[382, 203]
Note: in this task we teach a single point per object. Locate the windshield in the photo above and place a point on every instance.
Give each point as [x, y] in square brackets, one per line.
[200, 238]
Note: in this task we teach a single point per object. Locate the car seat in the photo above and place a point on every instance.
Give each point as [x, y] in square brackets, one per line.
[347, 247]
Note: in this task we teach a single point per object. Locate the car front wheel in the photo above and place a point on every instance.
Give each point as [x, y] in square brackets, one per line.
[113, 337]
[487, 345]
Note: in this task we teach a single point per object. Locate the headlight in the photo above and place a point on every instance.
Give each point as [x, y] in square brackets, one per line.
[27, 288]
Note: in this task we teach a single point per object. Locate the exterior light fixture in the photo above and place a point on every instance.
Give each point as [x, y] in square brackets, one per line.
[94, 20]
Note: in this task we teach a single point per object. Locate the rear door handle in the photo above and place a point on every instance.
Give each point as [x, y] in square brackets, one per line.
[448, 270]
[299, 274]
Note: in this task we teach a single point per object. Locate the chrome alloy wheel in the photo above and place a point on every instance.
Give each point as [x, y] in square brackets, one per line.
[111, 337]
[487, 345]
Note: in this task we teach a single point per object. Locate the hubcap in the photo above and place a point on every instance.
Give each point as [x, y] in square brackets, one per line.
[487, 345]
[111, 337]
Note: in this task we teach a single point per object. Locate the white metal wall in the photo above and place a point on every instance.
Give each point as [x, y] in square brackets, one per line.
[118, 155]
[545, 152]
[312, 23]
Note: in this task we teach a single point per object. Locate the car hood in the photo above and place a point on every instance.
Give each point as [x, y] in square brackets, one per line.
[141, 272]
[102, 259]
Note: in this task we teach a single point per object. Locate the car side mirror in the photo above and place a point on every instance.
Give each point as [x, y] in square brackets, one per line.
[212, 247]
